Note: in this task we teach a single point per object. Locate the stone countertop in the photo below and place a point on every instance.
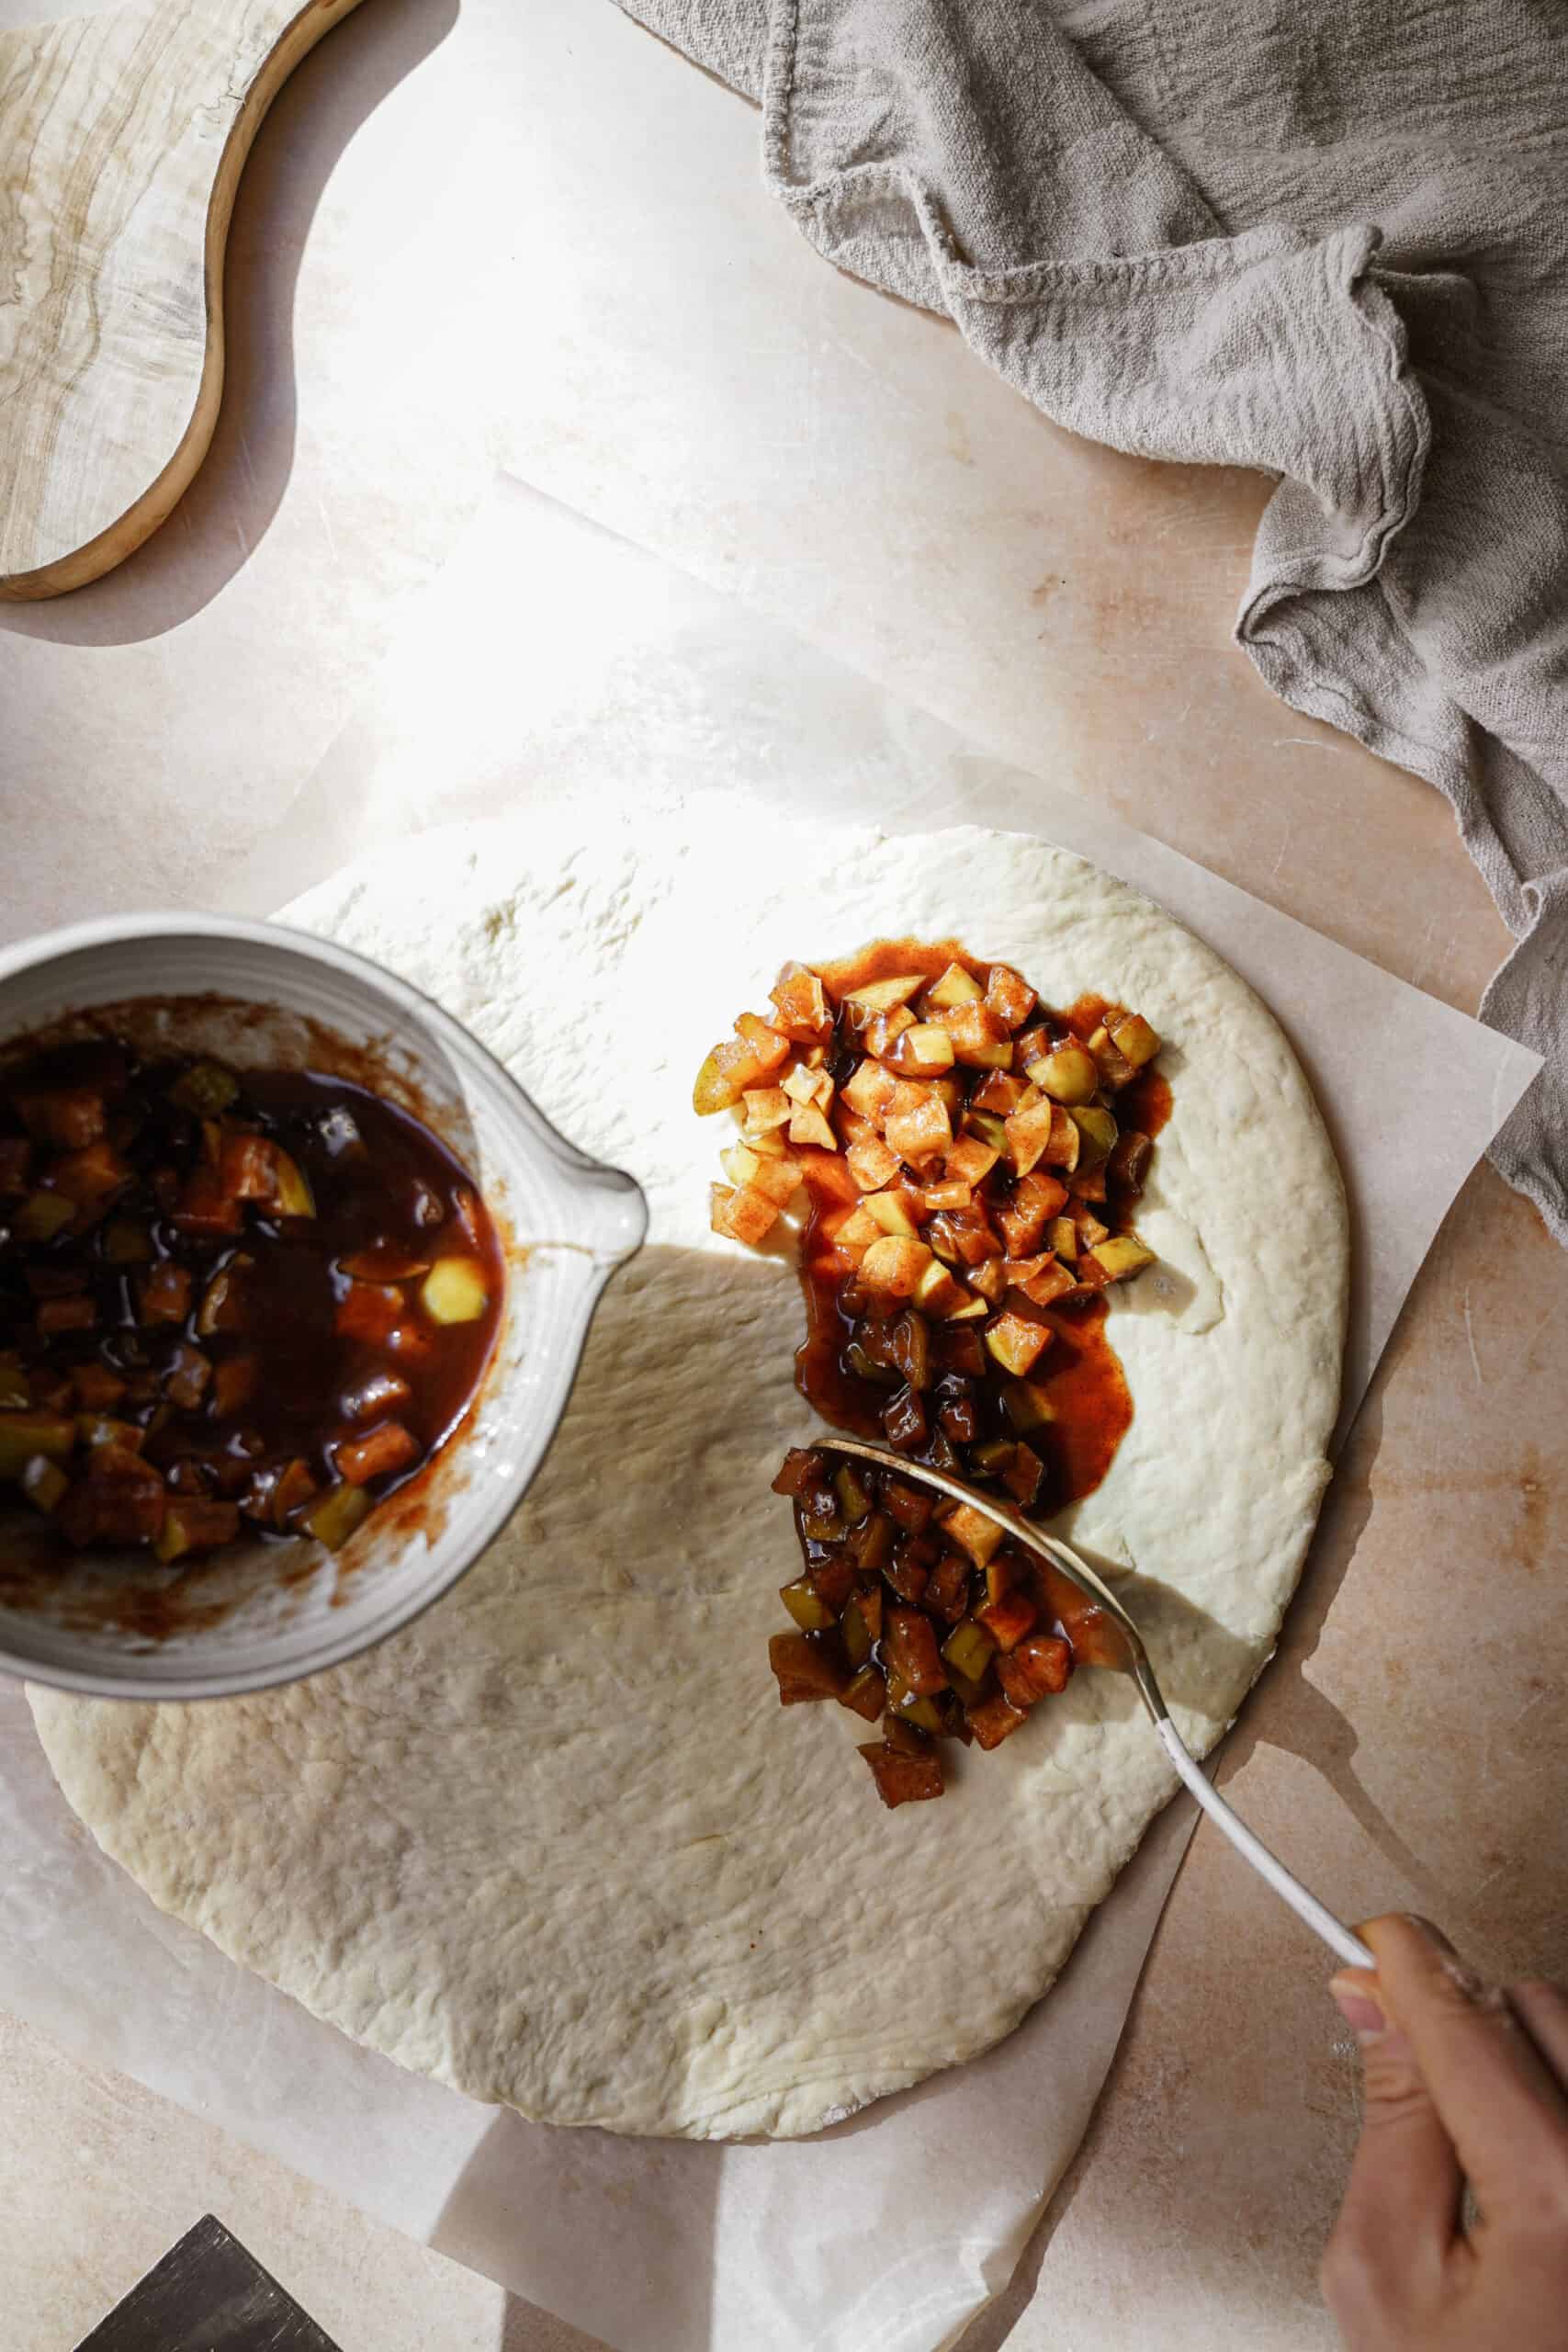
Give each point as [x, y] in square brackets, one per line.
[477, 235]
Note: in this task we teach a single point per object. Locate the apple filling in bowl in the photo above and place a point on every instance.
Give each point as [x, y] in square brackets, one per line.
[232, 1304]
[964, 1162]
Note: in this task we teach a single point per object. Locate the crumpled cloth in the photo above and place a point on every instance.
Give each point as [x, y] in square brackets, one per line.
[1324, 238]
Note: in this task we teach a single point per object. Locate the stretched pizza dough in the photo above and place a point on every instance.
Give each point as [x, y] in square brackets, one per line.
[557, 1844]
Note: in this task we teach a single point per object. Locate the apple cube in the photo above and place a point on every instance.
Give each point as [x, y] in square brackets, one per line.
[1132, 1039]
[90, 1175]
[1016, 1344]
[1029, 1134]
[999, 1091]
[1121, 1255]
[741, 1214]
[870, 1091]
[1115, 1069]
[872, 1164]
[918, 1127]
[1008, 1618]
[768, 1047]
[777, 1179]
[884, 996]
[1009, 996]
[1097, 1135]
[1022, 1219]
[910, 1652]
[378, 1453]
[893, 1266]
[939, 1293]
[902, 1777]
[955, 987]
[809, 1126]
[455, 1291]
[803, 1669]
[923, 1050]
[992, 1277]
[995, 1719]
[970, 1160]
[1051, 1282]
[807, 1087]
[979, 1039]
[1067, 1074]
[884, 1029]
[1026, 1406]
[723, 1078]
[766, 1107]
[1037, 1668]
[856, 1233]
[803, 1010]
[891, 1213]
[972, 1531]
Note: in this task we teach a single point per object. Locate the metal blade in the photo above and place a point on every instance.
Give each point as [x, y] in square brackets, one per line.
[207, 2295]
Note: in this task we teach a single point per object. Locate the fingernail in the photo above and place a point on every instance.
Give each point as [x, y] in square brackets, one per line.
[1363, 2016]
[1433, 1934]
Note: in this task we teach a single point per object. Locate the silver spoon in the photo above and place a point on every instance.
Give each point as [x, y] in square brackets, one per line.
[1335, 1934]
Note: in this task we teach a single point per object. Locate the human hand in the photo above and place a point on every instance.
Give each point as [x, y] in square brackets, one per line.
[1463, 2083]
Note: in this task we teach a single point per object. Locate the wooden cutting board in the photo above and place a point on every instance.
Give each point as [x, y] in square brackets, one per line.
[123, 139]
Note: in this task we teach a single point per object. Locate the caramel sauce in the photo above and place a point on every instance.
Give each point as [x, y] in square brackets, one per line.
[1080, 1373]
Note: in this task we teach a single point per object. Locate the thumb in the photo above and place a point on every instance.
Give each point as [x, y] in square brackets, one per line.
[1401, 2207]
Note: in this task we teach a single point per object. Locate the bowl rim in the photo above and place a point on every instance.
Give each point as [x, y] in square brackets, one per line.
[46, 947]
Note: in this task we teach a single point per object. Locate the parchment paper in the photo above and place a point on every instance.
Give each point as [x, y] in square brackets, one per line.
[553, 662]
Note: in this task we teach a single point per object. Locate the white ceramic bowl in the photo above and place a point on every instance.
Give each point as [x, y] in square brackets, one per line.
[257, 995]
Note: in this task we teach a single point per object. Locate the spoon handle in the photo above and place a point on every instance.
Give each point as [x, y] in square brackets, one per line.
[1305, 1905]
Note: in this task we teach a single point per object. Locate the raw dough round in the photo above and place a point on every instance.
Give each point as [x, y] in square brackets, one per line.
[557, 1844]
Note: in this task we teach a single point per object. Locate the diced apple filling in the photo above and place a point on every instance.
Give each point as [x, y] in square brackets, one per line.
[968, 1159]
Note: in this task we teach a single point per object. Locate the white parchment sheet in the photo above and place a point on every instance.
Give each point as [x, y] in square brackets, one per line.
[553, 664]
